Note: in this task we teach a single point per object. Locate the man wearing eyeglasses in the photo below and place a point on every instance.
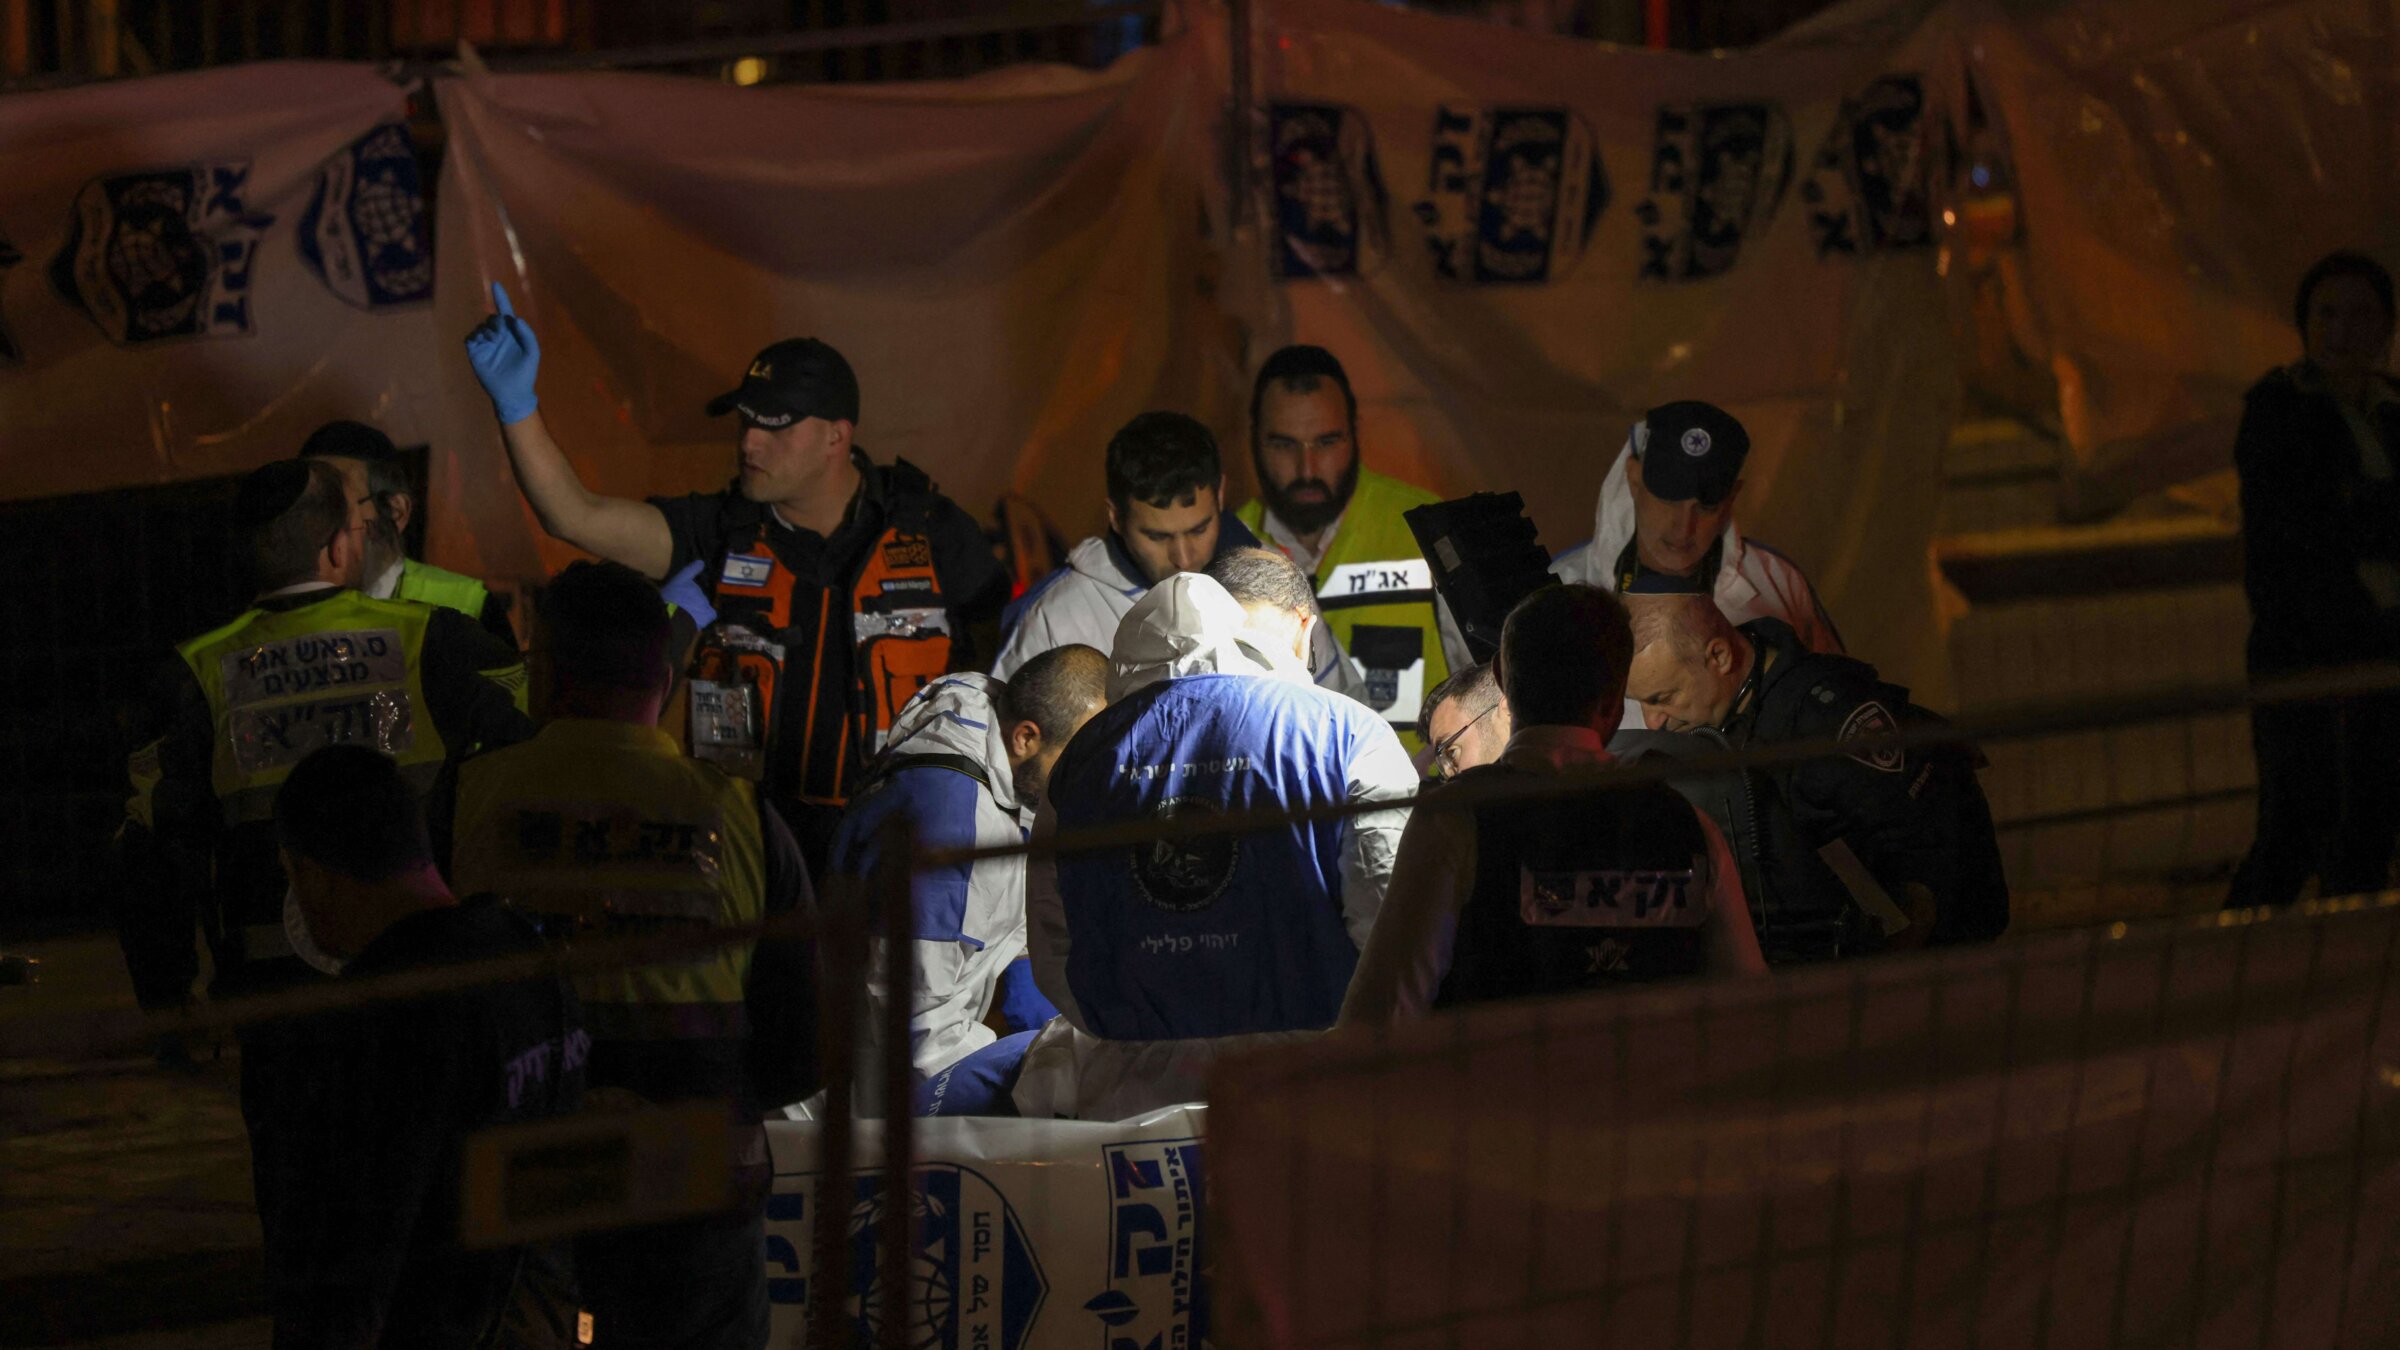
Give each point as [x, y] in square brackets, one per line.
[1466, 721]
[370, 465]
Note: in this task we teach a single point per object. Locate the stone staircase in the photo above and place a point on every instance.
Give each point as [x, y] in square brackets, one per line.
[2134, 821]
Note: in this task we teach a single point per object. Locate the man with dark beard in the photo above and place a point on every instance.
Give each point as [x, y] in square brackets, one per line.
[1340, 521]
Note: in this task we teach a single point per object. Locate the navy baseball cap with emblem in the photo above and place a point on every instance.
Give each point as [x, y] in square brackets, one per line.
[1690, 451]
[793, 379]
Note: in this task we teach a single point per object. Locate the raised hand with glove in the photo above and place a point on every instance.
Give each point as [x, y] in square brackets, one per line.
[506, 356]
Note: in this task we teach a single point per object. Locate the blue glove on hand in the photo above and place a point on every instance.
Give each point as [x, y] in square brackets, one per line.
[505, 356]
[684, 591]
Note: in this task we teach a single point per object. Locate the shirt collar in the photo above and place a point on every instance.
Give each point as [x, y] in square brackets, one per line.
[298, 588]
[388, 585]
[1556, 747]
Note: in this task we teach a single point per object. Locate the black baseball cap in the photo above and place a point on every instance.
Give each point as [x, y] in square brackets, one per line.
[793, 379]
[350, 440]
[1690, 450]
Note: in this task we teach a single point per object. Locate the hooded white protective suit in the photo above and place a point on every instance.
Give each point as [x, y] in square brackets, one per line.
[946, 770]
[1161, 956]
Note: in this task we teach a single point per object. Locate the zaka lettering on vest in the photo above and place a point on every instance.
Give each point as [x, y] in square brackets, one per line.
[1608, 898]
[311, 662]
[272, 737]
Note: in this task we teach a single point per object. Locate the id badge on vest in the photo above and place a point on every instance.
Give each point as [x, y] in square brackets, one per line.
[736, 667]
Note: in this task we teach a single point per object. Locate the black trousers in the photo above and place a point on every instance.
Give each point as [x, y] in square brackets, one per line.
[2328, 799]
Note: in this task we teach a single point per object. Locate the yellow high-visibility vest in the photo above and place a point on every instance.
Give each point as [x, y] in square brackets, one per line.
[343, 670]
[610, 825]
[1376, 590]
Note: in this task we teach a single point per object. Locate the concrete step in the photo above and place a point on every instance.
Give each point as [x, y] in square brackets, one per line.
[1998, 474]
[2147, 799]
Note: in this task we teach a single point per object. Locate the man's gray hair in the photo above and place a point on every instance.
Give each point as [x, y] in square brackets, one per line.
[1257, 577]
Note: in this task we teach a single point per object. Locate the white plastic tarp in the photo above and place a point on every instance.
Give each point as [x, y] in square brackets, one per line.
[197, 270]
[1012, 264]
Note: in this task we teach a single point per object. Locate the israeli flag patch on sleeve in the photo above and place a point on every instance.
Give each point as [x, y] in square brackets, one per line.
[746, 569]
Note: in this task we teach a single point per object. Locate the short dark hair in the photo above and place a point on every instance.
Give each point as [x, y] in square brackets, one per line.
[1298, 369]
[1475, 682]
[1261, 576]
[1055, 689]
[2344, 263]
[348, 809]
[1563, 654]
[368, 445]
[287, 513]
[1161, 458]
[607, 626]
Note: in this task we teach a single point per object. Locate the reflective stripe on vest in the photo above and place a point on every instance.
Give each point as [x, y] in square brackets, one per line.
[605, 824]
[1377, 594]
[430, 585]
[281, 684]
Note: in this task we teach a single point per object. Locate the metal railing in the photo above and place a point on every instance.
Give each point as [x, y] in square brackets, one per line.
[46, 43]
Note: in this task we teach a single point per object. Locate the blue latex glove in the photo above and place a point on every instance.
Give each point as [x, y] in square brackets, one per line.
[684, 591]
[505, 356]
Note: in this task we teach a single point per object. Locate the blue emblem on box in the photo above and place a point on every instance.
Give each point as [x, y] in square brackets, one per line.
[1157, 1293]
[977, 1283]
[163, 254]
[364, 232]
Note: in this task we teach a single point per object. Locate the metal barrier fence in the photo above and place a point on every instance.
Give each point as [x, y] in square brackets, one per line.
[2179, 1134]
[854, 906]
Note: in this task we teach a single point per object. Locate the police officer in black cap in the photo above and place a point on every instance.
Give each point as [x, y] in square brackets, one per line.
[1666, 510]
[838, 587]
[1843, 854]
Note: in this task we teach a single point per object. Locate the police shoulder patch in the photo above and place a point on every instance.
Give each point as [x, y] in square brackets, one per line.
[1871, 718]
